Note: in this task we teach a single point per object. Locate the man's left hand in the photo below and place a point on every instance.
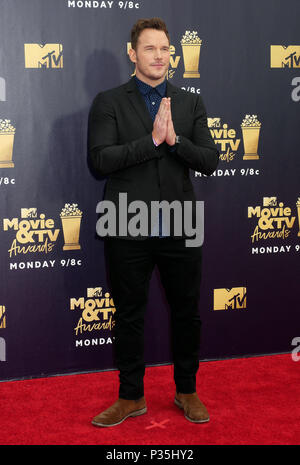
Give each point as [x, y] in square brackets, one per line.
[171, 135]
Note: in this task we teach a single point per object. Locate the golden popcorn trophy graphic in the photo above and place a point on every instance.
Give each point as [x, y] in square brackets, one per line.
[250, 129]
[191, 45]
[71, 220]
[7, 135]
[298, 210]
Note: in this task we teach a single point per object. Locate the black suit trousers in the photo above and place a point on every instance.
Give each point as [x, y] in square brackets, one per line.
[130, 266]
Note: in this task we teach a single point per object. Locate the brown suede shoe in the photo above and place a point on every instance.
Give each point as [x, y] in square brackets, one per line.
[194, 409]
[119, 411]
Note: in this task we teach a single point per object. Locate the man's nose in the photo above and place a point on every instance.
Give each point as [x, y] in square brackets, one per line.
[158, 54]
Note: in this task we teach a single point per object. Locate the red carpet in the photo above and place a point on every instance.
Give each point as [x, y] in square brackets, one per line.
[250, 401]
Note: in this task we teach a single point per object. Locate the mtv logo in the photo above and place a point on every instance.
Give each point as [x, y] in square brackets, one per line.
[2, 90]
[2, 350]
[213, 122]
[94, 292]
[285, 57]
[43, 56]
[269, 201]
[28, 212]
[2, 317]
[234, 298]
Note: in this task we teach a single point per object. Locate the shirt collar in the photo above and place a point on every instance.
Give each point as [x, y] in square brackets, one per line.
[145, 88]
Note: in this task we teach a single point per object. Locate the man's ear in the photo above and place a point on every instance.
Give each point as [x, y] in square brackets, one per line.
[132, 55]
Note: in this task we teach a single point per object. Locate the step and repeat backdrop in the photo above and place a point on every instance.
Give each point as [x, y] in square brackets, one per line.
[243, 58]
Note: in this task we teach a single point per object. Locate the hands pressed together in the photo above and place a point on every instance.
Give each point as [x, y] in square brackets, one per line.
[163, 129]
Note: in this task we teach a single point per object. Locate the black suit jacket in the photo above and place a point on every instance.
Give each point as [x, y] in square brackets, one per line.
[120, 146]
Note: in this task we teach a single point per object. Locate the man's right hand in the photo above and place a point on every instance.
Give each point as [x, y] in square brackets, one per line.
[160, 125]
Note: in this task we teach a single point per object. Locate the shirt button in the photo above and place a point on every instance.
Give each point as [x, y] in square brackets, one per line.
[153, 103]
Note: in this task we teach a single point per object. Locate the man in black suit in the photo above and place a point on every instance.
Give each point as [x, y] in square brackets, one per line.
[145, 136]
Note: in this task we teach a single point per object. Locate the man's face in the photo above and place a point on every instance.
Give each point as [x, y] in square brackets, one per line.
[151, 57]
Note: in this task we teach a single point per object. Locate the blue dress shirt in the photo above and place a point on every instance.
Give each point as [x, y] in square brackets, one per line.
[152, 95]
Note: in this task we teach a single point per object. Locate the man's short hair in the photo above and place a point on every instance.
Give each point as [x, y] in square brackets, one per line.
[151, 23]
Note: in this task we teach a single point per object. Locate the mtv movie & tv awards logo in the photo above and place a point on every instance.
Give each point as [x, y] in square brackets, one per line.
[282, 56]
[228, 142]
[233, 299]
[233, 143]
[43, 56]
[276, 226]
[96, 314]
[35, 233]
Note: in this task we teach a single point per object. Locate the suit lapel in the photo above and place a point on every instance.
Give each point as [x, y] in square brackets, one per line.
[139, 105]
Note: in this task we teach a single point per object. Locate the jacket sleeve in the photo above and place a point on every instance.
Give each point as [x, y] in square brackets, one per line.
[200, 153]
[104, 153]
